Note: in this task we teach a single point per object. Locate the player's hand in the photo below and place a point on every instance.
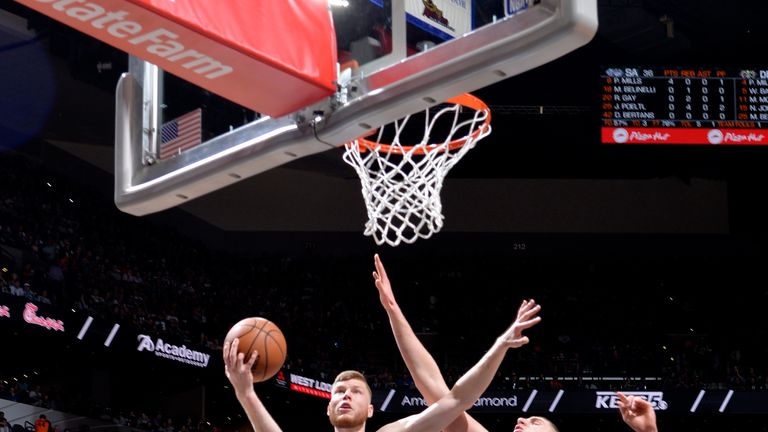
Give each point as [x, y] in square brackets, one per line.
[527, 317]
[637, 413]
[382, 284]
[237, 370]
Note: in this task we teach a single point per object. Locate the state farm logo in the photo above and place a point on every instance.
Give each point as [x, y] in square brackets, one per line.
[609, 399]
[120, 25]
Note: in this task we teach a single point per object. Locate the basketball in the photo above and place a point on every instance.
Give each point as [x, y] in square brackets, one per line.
[262, 335]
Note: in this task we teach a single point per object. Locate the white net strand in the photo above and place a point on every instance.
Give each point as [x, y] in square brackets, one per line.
[401, 184]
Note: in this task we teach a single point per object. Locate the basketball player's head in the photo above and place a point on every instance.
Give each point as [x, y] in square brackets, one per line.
[350, 404]
[534, 424]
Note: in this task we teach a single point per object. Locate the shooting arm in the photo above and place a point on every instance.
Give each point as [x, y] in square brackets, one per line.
[258, 415]
[238, 371]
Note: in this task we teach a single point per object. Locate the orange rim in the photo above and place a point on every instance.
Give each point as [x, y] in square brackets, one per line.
[465, 100]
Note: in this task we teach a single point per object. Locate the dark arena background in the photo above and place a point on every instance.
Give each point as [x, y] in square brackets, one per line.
[648, 258]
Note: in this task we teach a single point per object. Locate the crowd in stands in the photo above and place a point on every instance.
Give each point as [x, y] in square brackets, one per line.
[22, 389]
[611, 316]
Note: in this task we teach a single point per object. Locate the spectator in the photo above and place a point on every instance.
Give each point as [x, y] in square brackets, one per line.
[43, 424]
[35, 397]
[5, 426]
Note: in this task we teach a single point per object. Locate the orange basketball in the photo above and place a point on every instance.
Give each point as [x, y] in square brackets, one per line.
[262, 335]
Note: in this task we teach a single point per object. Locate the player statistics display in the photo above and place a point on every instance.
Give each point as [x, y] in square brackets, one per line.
[651, 105]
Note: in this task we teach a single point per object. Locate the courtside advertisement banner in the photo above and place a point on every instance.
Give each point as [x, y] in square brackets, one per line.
[31, 314]
[73, 329]
[532, 402]
[303, 384]
[172, 351]
[35, 319]
[220, 46]
[446, 19]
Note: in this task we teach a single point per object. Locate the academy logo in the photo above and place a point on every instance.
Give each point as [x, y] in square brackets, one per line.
[180, 354]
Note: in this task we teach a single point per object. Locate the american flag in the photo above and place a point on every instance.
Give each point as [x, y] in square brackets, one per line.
[180, 134]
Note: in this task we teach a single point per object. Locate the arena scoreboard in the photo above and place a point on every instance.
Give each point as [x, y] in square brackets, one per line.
[676, 105]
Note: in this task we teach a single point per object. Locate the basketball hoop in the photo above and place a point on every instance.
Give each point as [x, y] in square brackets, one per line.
[401, 183]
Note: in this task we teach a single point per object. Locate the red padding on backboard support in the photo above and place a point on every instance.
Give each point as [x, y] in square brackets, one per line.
[272, 56]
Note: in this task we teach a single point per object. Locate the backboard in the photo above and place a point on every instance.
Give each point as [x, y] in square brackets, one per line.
[395, 57]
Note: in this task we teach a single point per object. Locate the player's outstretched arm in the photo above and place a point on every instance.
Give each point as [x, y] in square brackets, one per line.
[637, 413]
[425, 372]
[470, 386]
[421, 365]
[239, 373]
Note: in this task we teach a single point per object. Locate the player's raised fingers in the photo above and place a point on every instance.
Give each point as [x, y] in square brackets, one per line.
[233, 351]
[379, 266]
[225, 352]
[522, 325]
[530, 312]
[252, 360]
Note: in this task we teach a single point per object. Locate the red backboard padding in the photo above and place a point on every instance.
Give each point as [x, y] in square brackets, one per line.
[273, 56]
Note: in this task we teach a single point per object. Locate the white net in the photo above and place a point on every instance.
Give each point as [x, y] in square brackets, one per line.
[401, 183]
